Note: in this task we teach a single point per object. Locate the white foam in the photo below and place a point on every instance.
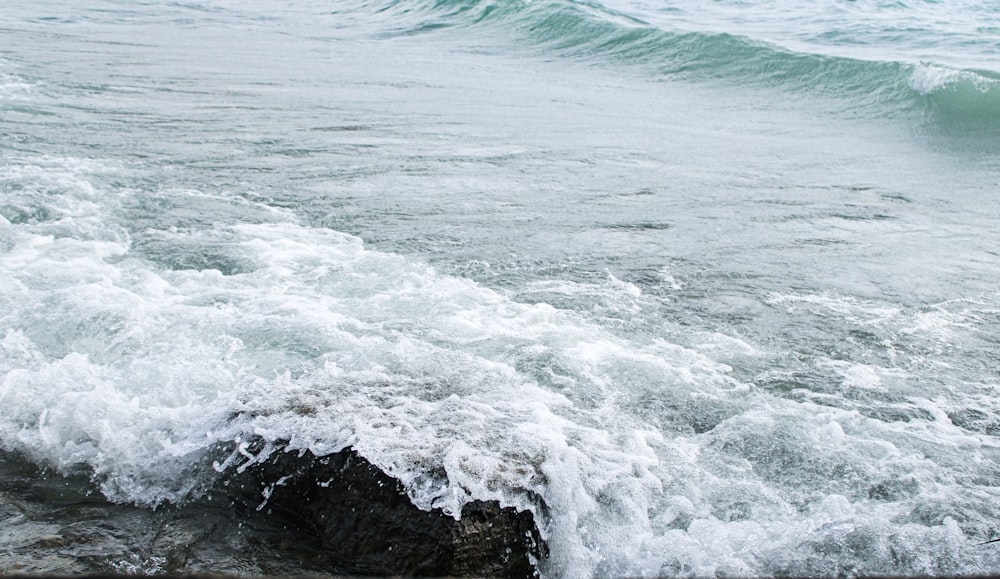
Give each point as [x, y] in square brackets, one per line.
[930, 78]
[854, 309]
[133, 369]
[14, 87]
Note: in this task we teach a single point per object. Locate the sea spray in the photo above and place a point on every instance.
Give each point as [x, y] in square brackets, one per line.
[702, 298]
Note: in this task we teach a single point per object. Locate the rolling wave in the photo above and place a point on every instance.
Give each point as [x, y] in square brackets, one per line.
[588, 31]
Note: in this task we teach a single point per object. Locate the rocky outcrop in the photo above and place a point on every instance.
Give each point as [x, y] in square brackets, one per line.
[362, 521]
[324, 516]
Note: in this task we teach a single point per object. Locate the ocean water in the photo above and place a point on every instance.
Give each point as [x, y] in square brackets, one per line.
[709, 287]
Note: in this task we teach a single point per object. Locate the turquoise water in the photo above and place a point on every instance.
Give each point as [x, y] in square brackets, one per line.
[711, 288]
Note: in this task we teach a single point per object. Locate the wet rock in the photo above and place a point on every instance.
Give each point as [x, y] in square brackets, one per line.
[324, 517]
[364, 523]
[57, 525]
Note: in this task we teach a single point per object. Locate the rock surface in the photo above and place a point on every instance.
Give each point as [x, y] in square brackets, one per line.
[55, 525]
[330, 516]
[365, 523]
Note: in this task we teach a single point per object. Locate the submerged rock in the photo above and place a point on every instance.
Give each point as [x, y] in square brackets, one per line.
[364, 523]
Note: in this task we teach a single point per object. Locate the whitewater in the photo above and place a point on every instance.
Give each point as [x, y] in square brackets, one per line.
[708, 288]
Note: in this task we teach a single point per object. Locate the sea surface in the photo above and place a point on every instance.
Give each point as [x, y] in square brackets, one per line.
[710, 287]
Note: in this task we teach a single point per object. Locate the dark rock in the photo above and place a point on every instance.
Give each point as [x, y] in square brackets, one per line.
[362, 521]
[297, 515]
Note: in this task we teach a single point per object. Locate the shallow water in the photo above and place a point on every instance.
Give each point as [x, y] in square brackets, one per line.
[708, 293]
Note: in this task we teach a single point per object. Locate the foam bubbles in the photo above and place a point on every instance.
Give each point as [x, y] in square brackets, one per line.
[639, 456]
[14, 87]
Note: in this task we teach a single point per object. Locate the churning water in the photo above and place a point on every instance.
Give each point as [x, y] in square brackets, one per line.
[710, 287]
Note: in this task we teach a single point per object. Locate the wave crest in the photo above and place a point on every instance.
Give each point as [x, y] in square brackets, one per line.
[591, 32]
[960, 93]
